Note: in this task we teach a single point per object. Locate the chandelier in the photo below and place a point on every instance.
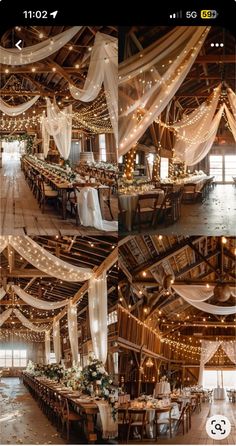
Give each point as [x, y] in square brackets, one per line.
[149, 363]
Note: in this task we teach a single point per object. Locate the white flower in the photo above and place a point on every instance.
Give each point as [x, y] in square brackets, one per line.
[101, 370]
[94, 373]
[110, 381]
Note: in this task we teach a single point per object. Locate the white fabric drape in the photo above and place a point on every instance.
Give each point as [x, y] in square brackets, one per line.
[103, 69]
[15, 110]
[232, 100]
[3, 242]
[26, 322]
[196, 298]
[149, 80]
[58, 124]
[57, 340]
[109, 425]
[45, 261]
[2, 293]
[90, 212]
[73, 331]
[34, 53]
[97, 300]
[208, 349]
[45, 137]
[196, 137]
[231, 121]
[230, 349]
[4, 316]
[38, 303]
[47, 347]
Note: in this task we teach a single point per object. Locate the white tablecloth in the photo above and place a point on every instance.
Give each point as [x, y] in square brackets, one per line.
[219, 394]
[90, 212]
[128, 202]
[161, 388]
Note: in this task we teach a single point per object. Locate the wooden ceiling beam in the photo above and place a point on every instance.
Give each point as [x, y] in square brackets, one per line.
[216, 58]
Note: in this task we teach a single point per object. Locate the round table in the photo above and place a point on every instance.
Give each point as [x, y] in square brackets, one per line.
[219, 393]
[162, 388]
[128, 203]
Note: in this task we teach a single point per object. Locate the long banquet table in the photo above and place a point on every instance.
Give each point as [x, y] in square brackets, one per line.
[89, 409]
[62, 185]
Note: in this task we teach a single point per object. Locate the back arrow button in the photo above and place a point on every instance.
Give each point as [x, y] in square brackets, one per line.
[18, 45]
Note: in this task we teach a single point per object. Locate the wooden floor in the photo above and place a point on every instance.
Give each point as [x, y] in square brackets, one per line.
[20, 213]
[215, 216]
[198, 434]
[23, 422]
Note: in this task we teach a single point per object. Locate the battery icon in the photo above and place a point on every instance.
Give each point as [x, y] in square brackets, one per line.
[209, 14]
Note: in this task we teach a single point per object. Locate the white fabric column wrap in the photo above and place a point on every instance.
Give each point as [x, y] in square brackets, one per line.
[57, 340]
[73, 331]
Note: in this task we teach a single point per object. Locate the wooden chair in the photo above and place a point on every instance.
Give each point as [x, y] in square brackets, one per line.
[105, 197]
[122, 420]
[146, 204]
[184, 418]
[46, 194]
[167, 421]
[137, 418]
[68, 416]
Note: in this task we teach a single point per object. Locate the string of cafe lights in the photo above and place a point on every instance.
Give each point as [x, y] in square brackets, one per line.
[27, 335]
[166, 84]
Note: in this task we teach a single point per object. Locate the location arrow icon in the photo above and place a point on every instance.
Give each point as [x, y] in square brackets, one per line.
[54, 13]
[18, 45]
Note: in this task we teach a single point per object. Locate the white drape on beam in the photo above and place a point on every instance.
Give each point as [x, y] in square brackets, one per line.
[38, 303]
[47, 347]
[57, 340]
[73, 331]
[45, 137]
[34, 53]
[196, 298]
[3, 242]
[232, 100]
[230, 349]
[208, 349]
[58, 124]
[15, 110]
[43, 260]
[97, 300]
[149, 80]
[26, 322]
[103, 69]
[231, 121]
[197, 132]
[5, 315]
[2, 293]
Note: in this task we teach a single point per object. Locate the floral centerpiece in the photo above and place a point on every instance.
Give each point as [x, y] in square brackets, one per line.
[72, 377]
[51, 371]
[96, 381]
[30, 368]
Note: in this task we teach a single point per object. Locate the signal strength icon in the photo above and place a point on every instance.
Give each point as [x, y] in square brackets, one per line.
[176, 15]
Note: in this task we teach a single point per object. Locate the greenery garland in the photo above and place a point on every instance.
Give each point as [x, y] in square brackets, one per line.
[24, 137]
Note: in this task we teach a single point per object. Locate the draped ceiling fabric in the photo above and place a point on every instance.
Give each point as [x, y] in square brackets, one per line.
[16, 109]
[4, 316]
[57, 340]
[73, 331]
[26, 322]
[208, 349]
[43, 260]
[103, 69]
[149, 80]
[231, 121]
[232, 101]
[34, 53]
[97, 300]
[197, 132]
[195, 295]
[230, 350]
[47, 347]
[2, 293]
[38, 303]
[45, 137]
[58, 124]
